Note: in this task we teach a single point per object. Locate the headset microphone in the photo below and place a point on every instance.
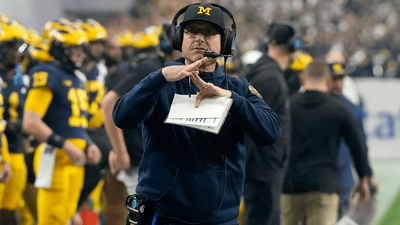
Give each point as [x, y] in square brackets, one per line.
[213, 55]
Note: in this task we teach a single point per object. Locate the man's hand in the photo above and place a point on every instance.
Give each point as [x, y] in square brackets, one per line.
[373, 182]
[118, 162]
[5, 173]
[363, 190]
[76, 155]
[207, 89]
[175, 73]
[93, 154]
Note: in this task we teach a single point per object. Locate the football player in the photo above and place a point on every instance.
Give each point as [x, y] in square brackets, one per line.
[95, 70]
[12, 45]
[56, 114]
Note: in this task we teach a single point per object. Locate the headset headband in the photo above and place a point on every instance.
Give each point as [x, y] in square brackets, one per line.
[225, 10]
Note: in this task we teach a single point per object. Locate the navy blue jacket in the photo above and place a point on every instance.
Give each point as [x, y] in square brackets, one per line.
[345, 160]
[189, 174]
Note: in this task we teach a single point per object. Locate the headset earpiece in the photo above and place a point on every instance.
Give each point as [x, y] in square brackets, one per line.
[165, 39]
[177, 37]
[294, 41]
[176, 29]
[227, 42]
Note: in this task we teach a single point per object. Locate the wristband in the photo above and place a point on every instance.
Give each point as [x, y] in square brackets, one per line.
[56, 140]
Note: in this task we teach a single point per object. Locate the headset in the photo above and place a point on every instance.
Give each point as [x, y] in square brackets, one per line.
[294, 41]
[165, 39]
[227, 38]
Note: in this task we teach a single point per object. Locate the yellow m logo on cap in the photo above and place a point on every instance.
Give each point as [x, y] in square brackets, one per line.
[337, 67]
[205, 11]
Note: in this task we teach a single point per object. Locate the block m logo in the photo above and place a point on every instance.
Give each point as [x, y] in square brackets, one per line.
[205, 11]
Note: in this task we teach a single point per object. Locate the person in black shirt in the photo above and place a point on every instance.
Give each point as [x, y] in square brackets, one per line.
[311, 185]
[345, 161]
[265, 165]
[127, 144]
[114, 190]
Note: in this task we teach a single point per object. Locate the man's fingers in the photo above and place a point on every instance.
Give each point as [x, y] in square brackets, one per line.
[363, 199]
[200, 83]
[197, 64]
[112, 167]
[198, 100]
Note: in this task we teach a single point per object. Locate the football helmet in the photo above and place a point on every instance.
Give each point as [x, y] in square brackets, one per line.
[12, 36]
[94, 30]
[55, 24]
[38, 53]
[62, 38]
[4, 18]
[97, 36]
[148, 38]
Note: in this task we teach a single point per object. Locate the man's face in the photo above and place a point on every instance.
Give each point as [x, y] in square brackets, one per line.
[113, 53]
[292, 57]
[76, 53]
[96, 49]
[11, 53]
[336, 86]
[113, 49]
[198, 37]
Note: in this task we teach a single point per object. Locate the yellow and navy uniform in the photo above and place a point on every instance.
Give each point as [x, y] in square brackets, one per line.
[14, 96]
[14, 99]
[95, 87]
[66, 111]
[60, 97]
[4, 154]
[96, 90]
[5, 158]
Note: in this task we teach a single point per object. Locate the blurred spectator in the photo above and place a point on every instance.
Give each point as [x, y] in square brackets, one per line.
[345, 160]
[311, 185]
[357, 25]
[234, 63]
[265, 165]
[292, 74]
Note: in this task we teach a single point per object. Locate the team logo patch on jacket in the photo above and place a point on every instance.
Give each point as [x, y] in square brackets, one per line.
[67, 83]
[254, 91]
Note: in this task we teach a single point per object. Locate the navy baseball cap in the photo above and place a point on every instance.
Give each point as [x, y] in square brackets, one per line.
[337, 70]
[281, 33]
[205, 12]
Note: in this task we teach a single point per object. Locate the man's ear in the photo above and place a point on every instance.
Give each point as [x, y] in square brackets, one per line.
[329, 81]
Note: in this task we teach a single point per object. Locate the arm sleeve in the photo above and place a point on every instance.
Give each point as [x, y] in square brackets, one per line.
[360, 127]
[89, 141]
[38, 100]
[256, 118]
[270, 88]
[354, 141]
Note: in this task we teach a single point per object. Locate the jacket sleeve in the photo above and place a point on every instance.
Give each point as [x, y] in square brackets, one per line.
[256, 118]
[354, 140]
[133, 107]
[360, 127]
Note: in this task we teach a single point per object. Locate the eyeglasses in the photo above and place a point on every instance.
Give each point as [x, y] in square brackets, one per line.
[206, 32]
